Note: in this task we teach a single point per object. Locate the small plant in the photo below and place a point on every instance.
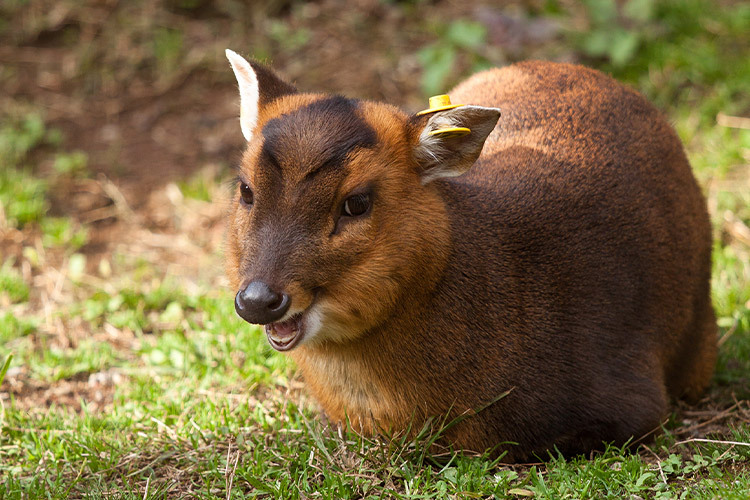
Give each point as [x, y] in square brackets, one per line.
[439, 58]
[22, 197]
[617, 29]
[23, 194]
[12, 327]
[73, 164]
[203, 184]
[18, 137]
[12, 284]
[167, 46]
[63, 232]
[288, 38]
[4, 367]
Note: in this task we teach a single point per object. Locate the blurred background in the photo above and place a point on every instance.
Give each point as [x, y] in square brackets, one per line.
[118, 130]
[140, 90]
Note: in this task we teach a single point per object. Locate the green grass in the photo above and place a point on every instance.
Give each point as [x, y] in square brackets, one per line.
[133, 380]
[12, 284]
[188, 439]
[22, 196]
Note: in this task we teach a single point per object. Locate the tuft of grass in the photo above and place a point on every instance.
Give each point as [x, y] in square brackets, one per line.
[63, 232]
[13, 327]
[18, 136]
[22, 197]
[12, 284]
[203, 185]
[73, 164]
[23, 193]
[4, 367]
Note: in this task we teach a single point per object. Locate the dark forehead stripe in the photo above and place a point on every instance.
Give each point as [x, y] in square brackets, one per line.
[320, 133]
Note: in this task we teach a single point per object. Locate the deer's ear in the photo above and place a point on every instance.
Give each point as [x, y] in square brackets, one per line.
[258, 86]
[450, 141]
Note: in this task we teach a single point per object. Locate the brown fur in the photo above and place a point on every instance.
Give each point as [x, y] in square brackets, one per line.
[570, 264]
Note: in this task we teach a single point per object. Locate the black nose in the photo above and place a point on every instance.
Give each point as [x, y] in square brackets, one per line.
[258, 304]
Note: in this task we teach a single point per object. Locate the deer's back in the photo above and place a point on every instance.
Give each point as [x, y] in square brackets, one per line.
[591, 208]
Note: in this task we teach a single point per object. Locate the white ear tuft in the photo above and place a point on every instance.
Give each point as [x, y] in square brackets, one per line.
[248, 83]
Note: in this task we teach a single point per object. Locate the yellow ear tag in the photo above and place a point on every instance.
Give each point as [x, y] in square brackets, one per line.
[449, 133]
[442, 103]
[439, 103]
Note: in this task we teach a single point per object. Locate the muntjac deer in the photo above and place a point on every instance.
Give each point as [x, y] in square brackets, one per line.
[544, 240]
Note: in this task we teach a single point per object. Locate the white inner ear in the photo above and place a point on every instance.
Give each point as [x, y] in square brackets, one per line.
[446, 156]
[248, 84]
[430, 147]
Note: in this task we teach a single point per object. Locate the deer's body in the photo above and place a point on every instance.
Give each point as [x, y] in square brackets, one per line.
[569, 265]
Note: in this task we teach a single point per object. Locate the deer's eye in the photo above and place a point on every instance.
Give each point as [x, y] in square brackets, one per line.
[246, 193]
[356, 205]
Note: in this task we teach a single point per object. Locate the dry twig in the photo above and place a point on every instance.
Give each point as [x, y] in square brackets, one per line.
[714, 441]
[658, 463]
[719, 416]
[730, 121]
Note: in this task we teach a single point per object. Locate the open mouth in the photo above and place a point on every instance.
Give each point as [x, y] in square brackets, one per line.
[284, 335]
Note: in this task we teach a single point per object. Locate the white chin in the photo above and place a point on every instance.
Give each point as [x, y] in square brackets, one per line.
[313, 323]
